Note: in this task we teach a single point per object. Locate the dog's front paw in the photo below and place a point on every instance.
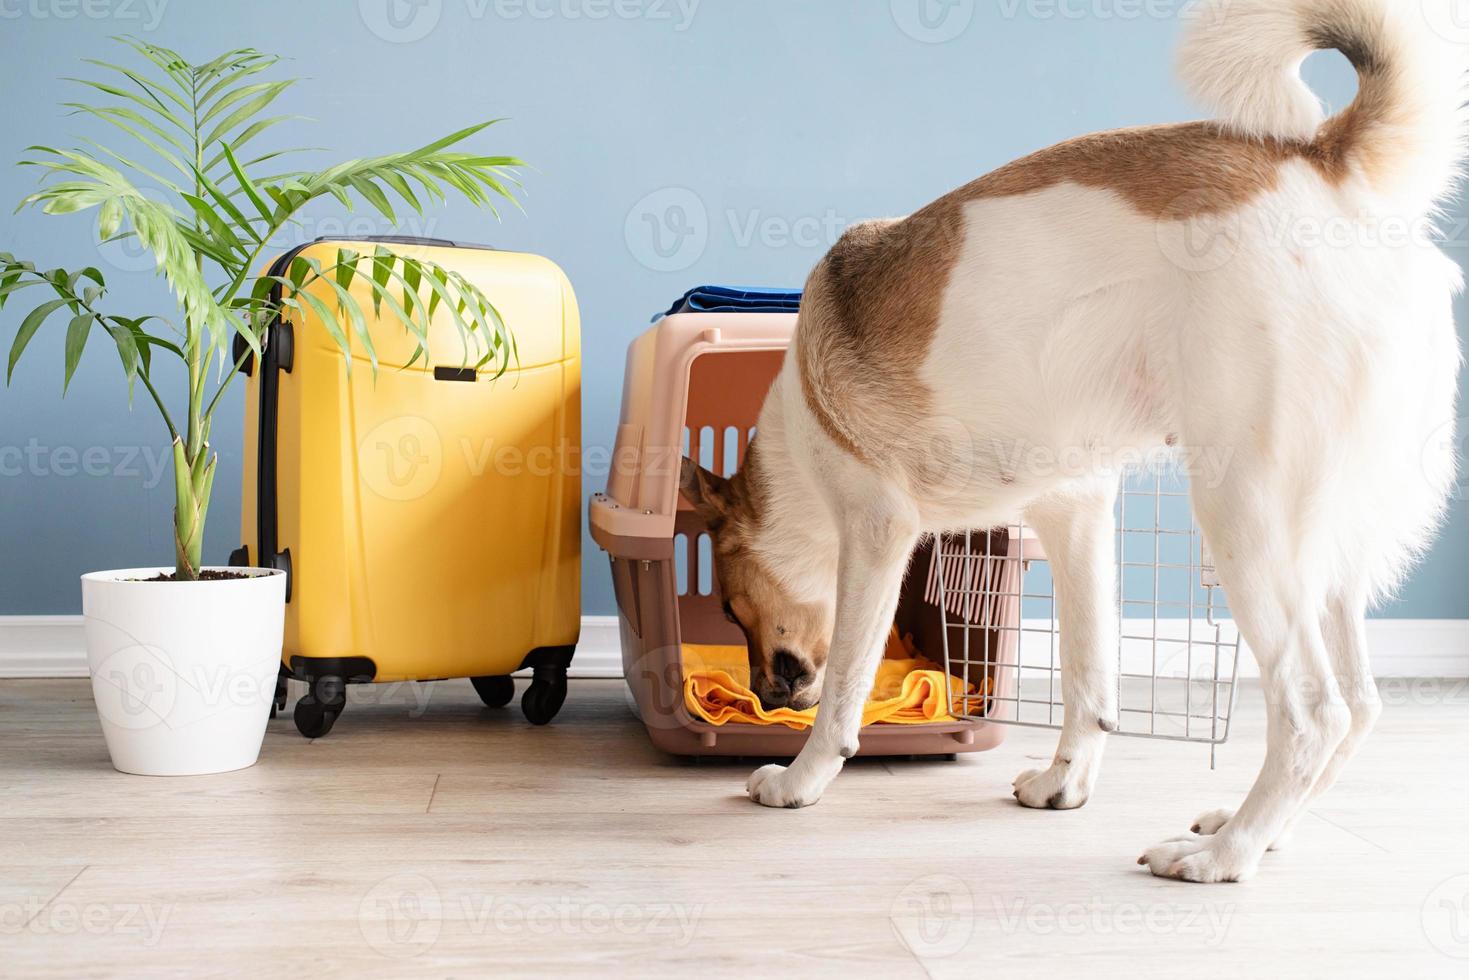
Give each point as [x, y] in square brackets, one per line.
[1064, 786]
[1201, 859]
[1212, 822]
[782, 787]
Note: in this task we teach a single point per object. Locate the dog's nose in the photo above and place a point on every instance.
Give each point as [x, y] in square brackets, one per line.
[789, 668]
[787, 675]
[774, 693]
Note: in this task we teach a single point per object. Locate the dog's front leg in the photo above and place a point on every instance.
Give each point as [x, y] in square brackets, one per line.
[876, 540]
[1077, 530]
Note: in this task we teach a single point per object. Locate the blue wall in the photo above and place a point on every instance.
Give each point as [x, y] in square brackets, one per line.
[772, 123]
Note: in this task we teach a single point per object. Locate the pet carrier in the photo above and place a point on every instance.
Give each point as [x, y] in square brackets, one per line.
[1177, 650]
[694, 386]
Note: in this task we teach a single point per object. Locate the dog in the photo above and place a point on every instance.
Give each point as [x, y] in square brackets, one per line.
[1107, 297]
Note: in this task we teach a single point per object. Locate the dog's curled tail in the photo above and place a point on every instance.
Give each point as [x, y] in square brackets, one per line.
[1405, 134]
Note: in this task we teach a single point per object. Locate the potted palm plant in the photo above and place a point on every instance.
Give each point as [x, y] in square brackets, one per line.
[184, 658]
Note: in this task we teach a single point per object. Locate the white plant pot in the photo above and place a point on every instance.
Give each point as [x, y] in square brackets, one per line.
[183, 673]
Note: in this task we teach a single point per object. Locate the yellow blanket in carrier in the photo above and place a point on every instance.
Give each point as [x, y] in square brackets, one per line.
[909, 689]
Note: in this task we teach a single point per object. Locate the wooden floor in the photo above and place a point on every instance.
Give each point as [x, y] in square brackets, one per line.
[461, 842]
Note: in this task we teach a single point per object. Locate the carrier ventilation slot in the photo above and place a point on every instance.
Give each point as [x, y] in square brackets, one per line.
[705, 565]
[681, 563]
[693, 565]
[719, 449]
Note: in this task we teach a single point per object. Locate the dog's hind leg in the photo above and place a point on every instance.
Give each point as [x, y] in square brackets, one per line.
[1275, 589]
[1344, 629]
[1345, 626]
[877, 537]
[1076, 528]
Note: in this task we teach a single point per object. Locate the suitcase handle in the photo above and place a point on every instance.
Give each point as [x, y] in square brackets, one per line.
[279, 355]
[405, 240]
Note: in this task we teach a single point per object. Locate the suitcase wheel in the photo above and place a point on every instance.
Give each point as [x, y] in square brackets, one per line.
[319, 710]
[546, 694]
[278, 703]
[314, 719]
[495, 692]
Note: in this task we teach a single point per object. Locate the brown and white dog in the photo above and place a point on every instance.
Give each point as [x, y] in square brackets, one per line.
[1061, 308]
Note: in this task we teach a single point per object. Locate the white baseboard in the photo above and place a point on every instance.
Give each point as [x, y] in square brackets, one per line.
[1400, 647]
[599, 651]
[42, 646]
[1419, 647]
[52, 646]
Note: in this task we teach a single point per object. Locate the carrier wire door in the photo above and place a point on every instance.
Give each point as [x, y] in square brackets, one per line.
[1177, 648]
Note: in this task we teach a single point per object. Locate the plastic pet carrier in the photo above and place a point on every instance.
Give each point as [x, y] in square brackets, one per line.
[694, 386]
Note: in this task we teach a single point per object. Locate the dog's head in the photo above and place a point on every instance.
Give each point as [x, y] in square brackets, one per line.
[787, 639]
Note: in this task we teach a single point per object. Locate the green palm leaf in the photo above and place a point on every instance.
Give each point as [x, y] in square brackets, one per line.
[208, 217]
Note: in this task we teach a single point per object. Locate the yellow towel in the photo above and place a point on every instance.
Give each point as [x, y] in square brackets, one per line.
[909, 689]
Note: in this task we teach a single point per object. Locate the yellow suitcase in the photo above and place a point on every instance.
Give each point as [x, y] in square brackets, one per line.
[429, 521]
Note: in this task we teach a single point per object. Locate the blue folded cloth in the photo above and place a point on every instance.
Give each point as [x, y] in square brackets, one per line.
[736, 299]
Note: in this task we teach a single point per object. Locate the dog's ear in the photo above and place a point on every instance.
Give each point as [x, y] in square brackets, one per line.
[710, 494]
